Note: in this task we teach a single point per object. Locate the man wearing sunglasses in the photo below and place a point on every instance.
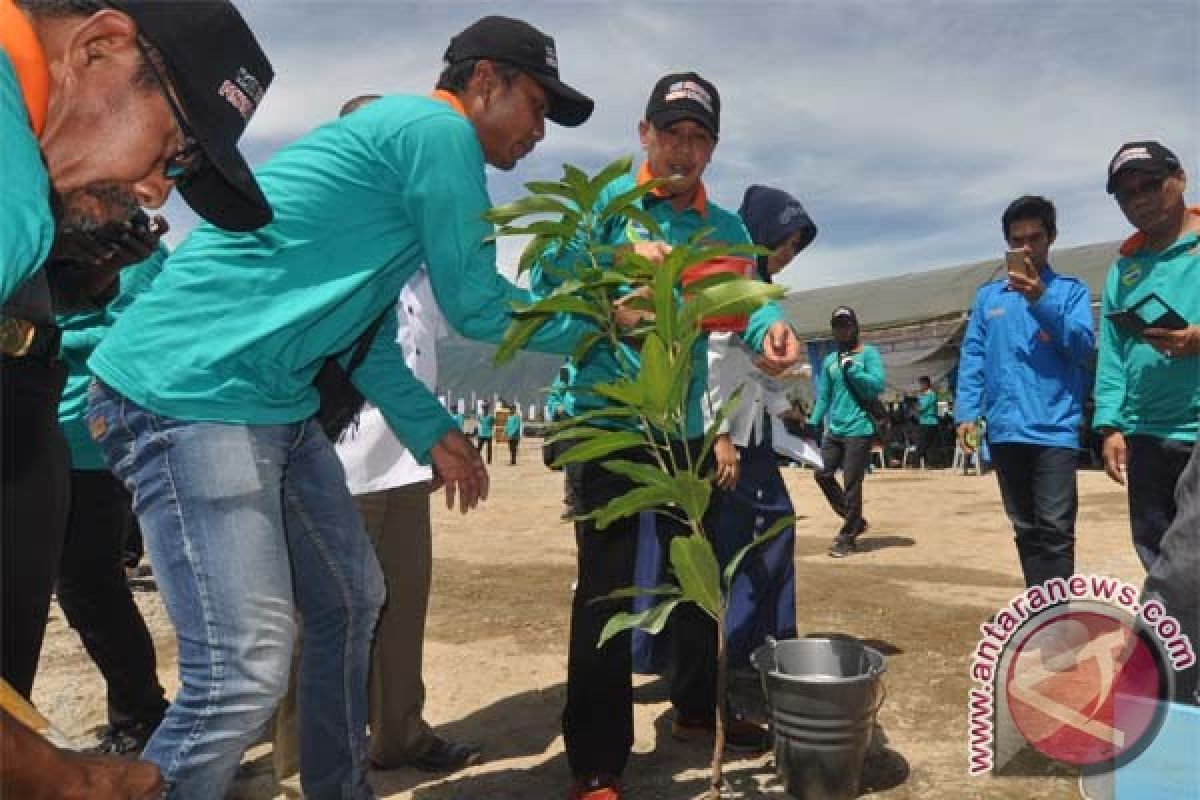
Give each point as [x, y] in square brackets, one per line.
[104, 107]
[1148, 381]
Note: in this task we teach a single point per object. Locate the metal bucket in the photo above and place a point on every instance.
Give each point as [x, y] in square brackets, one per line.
[822, 698]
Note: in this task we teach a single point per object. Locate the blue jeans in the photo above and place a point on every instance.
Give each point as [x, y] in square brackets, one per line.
[1039, 489]
[245, 526]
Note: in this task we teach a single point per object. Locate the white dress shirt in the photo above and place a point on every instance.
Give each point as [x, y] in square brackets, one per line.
[730, 365]
[374, 459]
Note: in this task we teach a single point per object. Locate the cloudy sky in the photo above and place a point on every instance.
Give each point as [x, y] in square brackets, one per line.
[904, 126]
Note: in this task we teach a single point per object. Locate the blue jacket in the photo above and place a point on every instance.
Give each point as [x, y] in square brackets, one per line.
[1023, 367]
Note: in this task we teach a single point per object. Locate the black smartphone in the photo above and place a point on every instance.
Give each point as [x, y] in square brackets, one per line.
[1149, 312]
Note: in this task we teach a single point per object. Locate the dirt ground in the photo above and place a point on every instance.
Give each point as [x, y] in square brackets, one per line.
[938, 561]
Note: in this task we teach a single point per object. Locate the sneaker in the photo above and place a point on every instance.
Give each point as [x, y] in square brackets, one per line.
[741, 735]
[601, 787]
[128, 739]
[841, 548]
[447, 756]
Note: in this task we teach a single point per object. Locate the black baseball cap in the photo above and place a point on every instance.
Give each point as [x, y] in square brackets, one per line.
[219, 75]
[843, 315]
[516, 42]
[684, 95]
[1150, 157]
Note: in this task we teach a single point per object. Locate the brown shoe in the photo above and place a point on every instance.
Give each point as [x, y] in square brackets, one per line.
[741, 735]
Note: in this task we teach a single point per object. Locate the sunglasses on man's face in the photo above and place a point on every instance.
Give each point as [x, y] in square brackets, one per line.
[1148, 185]
[183, 165]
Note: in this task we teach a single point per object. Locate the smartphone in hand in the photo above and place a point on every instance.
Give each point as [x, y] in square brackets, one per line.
[1017, 263]
[1149, 312]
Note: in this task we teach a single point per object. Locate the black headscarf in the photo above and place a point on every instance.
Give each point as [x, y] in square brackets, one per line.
[772, 216]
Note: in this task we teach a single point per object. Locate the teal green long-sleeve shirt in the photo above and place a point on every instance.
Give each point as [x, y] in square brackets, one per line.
[927, 408]
[81, 332]
[26, 224]
[1138, 389]
[238, 324]
[601, 364]
[846, 416]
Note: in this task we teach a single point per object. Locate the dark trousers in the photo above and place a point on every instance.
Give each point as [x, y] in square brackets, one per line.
[850, 454]
[1152, 472]
[96, 600]
[514, 442]
[598, 718]
[926, 437]
[33, 510]
[480, 442]
[571, 490]
[1038, 487]
[1175, 577]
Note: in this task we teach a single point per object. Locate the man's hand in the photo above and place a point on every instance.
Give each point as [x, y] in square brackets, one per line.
[627, 317]
[1174, 344]
[965, 428]
[86, 265]
[1028, 283]
[456, 463]
[781, 350]
[651, 251]
[1115, 456]
[727, 457]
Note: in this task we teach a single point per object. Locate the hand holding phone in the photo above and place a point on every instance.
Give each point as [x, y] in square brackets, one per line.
[1149, 312]
[1017, 262]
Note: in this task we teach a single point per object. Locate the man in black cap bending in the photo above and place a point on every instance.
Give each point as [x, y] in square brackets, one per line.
[104, 107]
[204, 402]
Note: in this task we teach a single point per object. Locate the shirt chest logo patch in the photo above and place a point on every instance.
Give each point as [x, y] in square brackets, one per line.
[993, 313]
[1132, 274]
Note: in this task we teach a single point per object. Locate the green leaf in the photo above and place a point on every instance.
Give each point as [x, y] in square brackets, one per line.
[530, 204]
[767, 535]
[532, 252]
[643, 498]
[599, 446]
[608, 412]
[556, 188]
[734, 297]
[663, 590]
[665, 309]
[562, 304]
[716, 279]
[577, 432]
[644, 474]
[723, 413]
[578, 180]
[655, 375]
[652, 621]
[519, 332]
[696, 569]
[585, 345]
[604, 177]
[622, 391]
[563, 229]
[693, 493]
[645, 219]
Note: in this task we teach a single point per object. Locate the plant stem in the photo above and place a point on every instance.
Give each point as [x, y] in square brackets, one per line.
[719, 737]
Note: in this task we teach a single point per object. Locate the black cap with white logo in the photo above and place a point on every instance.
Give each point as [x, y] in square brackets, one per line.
[515, 42]
[684, 95]
[1150, 157]
[218, 73]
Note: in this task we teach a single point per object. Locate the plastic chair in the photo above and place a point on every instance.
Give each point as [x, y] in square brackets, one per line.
[877, 456]
[965, 460]
[911, 450]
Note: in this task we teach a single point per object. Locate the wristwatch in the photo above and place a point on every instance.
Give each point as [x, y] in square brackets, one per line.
[23, 337]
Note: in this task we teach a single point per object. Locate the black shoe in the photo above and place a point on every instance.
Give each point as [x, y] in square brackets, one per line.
[447, 756]
[841, 548]
[741, 735]
[128, 739]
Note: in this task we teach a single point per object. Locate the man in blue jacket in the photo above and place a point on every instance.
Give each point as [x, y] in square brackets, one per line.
[1023, 369]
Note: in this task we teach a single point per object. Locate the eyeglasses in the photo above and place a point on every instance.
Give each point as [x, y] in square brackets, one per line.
[183, 165]
[1144, 186]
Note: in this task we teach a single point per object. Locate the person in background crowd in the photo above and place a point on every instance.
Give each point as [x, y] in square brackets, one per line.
[486, 431]
[762, 599]
[927, 420]
[205, 385]
[1148, 374]
[92, 587]
[458, 420]
[560, 404]
[103, 108]
[851, 377]
[1023, 368]
[512, 431]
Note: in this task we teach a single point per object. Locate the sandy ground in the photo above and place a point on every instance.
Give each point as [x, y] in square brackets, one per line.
[939, 559]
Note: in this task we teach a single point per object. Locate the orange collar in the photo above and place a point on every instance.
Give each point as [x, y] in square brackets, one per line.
[18, 40]
[699, 204]
[1138, 240]
[449, 98]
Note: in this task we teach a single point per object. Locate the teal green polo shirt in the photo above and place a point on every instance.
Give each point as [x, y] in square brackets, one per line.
[846, 416]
